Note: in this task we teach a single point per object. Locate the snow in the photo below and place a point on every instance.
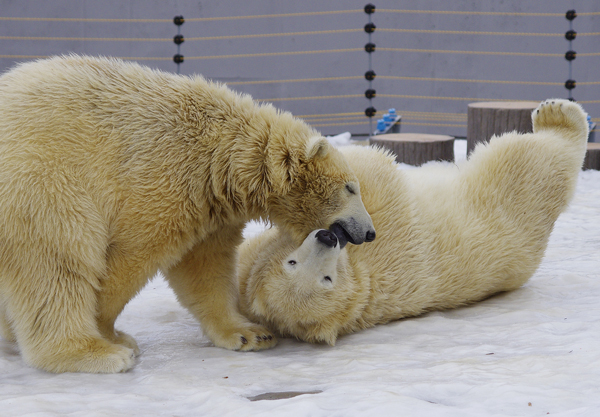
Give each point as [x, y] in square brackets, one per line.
[531, 352]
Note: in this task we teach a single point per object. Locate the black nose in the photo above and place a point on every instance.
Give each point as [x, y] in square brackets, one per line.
[327, 238]
[370, 236]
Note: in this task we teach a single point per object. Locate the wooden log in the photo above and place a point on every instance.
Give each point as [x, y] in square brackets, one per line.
[417, 148]
[592, 156]
[495, 118]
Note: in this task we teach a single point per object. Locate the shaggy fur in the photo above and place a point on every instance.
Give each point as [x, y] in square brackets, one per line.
[447, 235]
[110, 171]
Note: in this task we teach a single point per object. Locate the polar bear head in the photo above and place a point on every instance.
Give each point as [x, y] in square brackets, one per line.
[309, 291]
[314, 187]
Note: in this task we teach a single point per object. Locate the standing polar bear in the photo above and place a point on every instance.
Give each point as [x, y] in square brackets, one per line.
[110, 171]
[446, 235]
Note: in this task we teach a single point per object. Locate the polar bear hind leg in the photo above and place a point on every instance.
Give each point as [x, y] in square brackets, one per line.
[55, 326]
[50, 274]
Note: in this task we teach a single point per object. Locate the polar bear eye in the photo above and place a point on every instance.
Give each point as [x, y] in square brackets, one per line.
[350, 189]
[292, 262]
[327, 278]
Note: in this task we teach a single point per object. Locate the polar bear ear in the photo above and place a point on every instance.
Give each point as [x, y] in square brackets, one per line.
[317, 146]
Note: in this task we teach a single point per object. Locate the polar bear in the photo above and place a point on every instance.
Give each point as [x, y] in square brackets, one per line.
[446, 235]
[110, 171]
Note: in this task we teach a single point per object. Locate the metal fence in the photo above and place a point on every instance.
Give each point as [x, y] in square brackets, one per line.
[426, 62]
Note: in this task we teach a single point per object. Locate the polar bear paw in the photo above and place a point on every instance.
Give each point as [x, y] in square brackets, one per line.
[118, 359]
[122, 338]
[248, 337]
[93, 356]
[558, 114]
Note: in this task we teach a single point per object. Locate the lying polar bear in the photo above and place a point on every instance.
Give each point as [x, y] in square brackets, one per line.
[447, 235]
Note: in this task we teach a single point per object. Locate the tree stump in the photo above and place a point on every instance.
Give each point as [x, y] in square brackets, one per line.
[495, 118]
[592, 156]
[417, 148]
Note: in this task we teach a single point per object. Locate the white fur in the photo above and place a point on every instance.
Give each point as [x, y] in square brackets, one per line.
[446, 235]
[110, 171]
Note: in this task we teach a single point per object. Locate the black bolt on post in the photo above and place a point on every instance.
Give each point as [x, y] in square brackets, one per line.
[178, 40]
[570, 55]
[370, 47]
[370, 74]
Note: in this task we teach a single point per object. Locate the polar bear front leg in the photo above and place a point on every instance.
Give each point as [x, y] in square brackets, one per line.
[204, 282]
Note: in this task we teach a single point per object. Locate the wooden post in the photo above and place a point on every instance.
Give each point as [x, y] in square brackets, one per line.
[592, 156]
[417, 148]
[486, 119]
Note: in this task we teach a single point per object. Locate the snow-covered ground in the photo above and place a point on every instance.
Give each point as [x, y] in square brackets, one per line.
[531, 352]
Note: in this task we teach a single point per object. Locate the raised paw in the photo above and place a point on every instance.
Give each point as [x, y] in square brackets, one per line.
[563, 115]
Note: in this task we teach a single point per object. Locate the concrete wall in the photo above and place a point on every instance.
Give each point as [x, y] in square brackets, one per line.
[421, 84]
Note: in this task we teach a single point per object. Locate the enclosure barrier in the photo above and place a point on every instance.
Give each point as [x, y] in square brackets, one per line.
[335, 119]
[570, 55]
[370, 74]
[178, 40]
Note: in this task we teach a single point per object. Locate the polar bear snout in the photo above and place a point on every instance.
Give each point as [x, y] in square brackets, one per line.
[353, 223]
[327, 238]
[352, 231]
[370, 236]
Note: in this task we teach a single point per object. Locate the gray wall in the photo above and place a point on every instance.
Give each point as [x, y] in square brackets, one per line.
[416, 83]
